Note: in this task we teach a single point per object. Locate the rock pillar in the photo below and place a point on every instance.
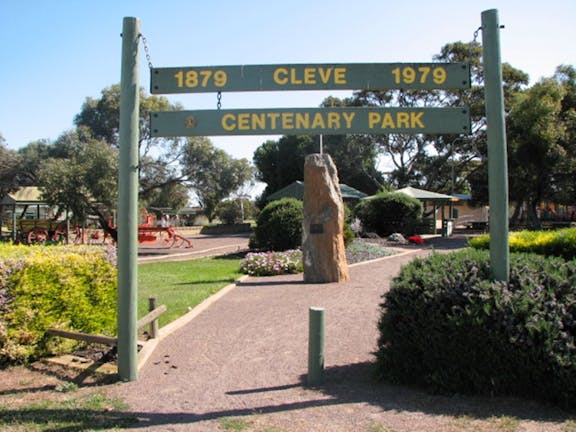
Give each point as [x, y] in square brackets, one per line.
[323, 227]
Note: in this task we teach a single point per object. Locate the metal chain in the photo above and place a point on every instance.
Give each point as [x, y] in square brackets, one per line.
[146, 50]
[473, 43]
[476, 33]
[219, 100]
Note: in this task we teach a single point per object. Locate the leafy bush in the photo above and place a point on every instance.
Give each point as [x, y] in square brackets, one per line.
[388, 213]
[71, 288]
[349, 234]
[279, 226]
[235, 211]
[272, 263]
[560, 242]
[446, 325]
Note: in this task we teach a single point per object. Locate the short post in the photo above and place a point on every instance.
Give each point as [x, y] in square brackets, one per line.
[154, 323]
[316, 346]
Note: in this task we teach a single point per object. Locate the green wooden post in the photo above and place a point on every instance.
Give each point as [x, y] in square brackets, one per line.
[14, 223]
[128, 204]
[316, 346]
[497, 156]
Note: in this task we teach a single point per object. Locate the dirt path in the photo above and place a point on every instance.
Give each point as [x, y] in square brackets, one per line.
[241, 364]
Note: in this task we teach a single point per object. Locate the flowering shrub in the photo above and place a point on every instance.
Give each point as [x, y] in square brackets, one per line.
[67, 287]
[561, 242]
[446, 325]
[272, 263]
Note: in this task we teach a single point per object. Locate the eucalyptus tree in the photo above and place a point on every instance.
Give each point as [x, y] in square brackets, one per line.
[168, 166]
[82, 179]
[444, 163]
[8, 164]
[280, 163]
[542, 155]
[212, 173]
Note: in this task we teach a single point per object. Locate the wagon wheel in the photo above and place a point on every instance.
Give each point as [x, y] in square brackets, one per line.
[37, 235]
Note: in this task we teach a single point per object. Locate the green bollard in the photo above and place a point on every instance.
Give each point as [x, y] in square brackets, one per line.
[316, 346]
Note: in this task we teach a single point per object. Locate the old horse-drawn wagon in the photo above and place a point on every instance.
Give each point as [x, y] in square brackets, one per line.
[27, 219]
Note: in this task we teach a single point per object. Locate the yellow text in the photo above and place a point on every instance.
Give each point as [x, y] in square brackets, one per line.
[310, 75]
[395, 120]
[287, 120]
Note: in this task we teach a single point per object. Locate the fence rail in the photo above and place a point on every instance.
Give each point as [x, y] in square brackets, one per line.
[150, 318]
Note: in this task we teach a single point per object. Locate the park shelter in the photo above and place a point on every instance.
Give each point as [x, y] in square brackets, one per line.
[438, 201]
[24, 204]
[296, 190]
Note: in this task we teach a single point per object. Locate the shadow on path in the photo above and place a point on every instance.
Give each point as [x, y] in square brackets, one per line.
[344, 385]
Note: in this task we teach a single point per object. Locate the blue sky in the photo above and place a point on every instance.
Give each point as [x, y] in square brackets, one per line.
[55, 53]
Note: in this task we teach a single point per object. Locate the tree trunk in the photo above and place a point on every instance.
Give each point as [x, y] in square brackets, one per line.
[533, 221]
[516, 214]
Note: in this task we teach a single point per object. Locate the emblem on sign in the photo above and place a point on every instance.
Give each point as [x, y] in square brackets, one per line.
[190, 122]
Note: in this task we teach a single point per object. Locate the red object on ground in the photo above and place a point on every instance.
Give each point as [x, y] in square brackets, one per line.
[416, 239]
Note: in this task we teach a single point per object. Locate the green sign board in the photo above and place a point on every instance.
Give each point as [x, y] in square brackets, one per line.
[354, 76]
[296, 121]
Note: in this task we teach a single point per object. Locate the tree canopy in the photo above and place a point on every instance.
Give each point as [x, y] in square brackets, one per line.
[442, 163]
[212, 173]
[541, 144]
[281, 162]
[80, 167]
[8, 168]
[79, 170]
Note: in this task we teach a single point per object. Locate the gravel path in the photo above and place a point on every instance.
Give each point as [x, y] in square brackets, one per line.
[241, 364]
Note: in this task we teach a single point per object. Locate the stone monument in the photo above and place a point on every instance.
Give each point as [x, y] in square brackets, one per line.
[323, 247]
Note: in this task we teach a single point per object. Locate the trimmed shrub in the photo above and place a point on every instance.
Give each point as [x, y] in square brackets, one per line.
[561, 242]
[389, 212]
[71, 288]
[445, 325]
[279, 226]
[235, 211]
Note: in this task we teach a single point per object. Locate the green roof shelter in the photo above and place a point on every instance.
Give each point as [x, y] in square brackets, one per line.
[296, 190]
[436, 199]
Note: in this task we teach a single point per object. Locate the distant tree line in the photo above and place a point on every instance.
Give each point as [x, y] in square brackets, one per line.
[78, 171]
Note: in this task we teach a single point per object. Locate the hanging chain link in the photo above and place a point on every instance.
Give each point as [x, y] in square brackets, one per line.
[219, 100]
[476, 33]
[149, 140]
[146, 50]
[473, 44]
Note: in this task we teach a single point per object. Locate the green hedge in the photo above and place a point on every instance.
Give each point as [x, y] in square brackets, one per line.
[389, 212]
[561, 242]
[279, 226]
[71, 288]
[445, 325]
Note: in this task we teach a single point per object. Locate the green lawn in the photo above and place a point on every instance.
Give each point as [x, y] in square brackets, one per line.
[181, 285]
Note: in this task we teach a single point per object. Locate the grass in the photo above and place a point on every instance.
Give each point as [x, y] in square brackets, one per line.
[378, 427]
[233, 424]
[88, 413]
[505, 423]
[181, 285]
